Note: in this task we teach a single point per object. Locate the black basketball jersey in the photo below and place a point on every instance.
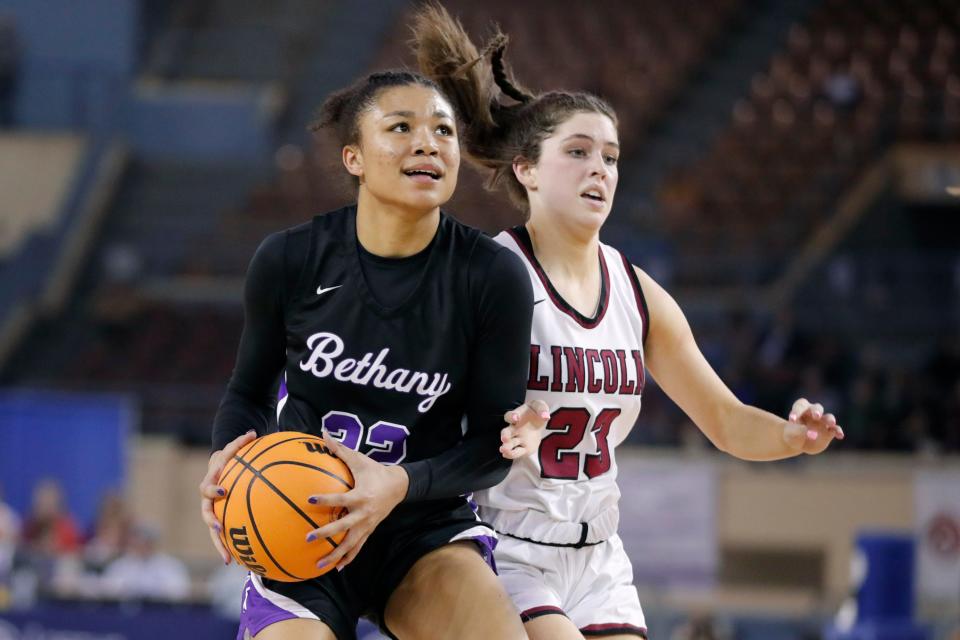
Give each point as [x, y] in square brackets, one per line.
[424, 383]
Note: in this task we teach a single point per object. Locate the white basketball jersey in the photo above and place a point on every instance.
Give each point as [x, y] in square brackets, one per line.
[590, 373]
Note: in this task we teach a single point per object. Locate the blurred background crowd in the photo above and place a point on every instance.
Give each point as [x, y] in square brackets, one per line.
[787, 174]
[49, 555]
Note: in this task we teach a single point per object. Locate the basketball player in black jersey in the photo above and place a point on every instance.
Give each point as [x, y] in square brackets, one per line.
[402, 335]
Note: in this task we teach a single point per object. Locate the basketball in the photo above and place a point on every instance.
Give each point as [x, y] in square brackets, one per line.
[265, 514]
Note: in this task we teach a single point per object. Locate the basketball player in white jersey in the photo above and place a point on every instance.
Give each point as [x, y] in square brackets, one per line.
[598, 322]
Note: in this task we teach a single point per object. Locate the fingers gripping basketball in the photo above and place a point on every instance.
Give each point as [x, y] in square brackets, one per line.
[265, 513]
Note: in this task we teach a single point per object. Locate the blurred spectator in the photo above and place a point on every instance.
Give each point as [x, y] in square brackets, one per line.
[42, 568]
[943, 366]
[842, 89]
[813, 388]
[47, 563]
[9, 66]
[225, 587]
[109, 535]
[951, 419]
[842, 276]
[49, 525]
[836, 362]
[915, 435]
[881, 405]
[144, 572]
[701, 627]
[122, 264]
[736, 377]
[782, 342]
[782, 349]
[9, 534]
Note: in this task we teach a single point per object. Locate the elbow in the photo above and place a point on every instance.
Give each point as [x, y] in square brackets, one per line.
[497, 473]
[720, 439]
[500, 470]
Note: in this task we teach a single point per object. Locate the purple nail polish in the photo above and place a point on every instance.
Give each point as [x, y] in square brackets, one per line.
[221, 492]
[311, 537]
[312, 500]
[321, 564]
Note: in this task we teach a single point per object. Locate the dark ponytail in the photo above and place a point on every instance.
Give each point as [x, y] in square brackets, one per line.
[506, 84]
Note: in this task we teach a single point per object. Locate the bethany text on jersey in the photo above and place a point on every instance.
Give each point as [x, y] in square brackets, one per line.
[326, 347]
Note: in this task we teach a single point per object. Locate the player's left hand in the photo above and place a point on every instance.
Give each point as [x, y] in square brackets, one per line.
[809, 429]
[377, 489]
[525, 428]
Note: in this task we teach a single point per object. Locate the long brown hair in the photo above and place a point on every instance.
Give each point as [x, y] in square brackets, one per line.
[503, 120]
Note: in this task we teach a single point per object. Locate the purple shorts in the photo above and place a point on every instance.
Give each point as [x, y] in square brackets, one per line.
[334, 598]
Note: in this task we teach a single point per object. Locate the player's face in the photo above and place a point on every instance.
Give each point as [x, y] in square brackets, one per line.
[409, 153]
[576, 176]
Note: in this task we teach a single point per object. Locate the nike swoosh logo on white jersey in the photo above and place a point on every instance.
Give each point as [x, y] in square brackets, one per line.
[322, 290]
[536, 302]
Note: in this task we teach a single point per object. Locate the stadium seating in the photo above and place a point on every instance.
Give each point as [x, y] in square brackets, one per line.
[851, 80]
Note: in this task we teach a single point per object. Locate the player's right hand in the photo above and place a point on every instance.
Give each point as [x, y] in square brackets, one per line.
[526, 426]
[809, 428]
[210, 490]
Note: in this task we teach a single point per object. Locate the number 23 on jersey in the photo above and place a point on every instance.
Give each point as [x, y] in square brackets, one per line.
[566, 430]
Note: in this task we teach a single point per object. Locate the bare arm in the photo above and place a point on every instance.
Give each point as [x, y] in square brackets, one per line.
[746, 432]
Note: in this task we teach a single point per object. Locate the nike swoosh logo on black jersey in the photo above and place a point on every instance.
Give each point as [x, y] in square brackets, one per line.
[321, 290]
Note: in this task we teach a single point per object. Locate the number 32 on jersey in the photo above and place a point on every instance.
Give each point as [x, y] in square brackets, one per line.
[566, 430]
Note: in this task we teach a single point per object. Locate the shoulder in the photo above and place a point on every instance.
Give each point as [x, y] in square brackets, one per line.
[290, 246]
[325, 228]
[492, 267]
[506, 263]
[497, 256]
[504, 276]
[637, 275]
[458, 233]
[469, 243]
[666, 318]
[275, 244]
[333, 221]
[649, 291]
[273, 252]
[647, 283]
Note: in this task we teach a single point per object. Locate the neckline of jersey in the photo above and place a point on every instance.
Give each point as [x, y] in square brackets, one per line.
[354, 249]
[420, 256]
[523, 240]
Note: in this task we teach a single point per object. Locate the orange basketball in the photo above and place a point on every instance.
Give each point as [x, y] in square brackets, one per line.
[265, 514]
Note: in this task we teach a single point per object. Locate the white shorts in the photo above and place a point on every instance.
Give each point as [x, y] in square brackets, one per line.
[593, 585]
